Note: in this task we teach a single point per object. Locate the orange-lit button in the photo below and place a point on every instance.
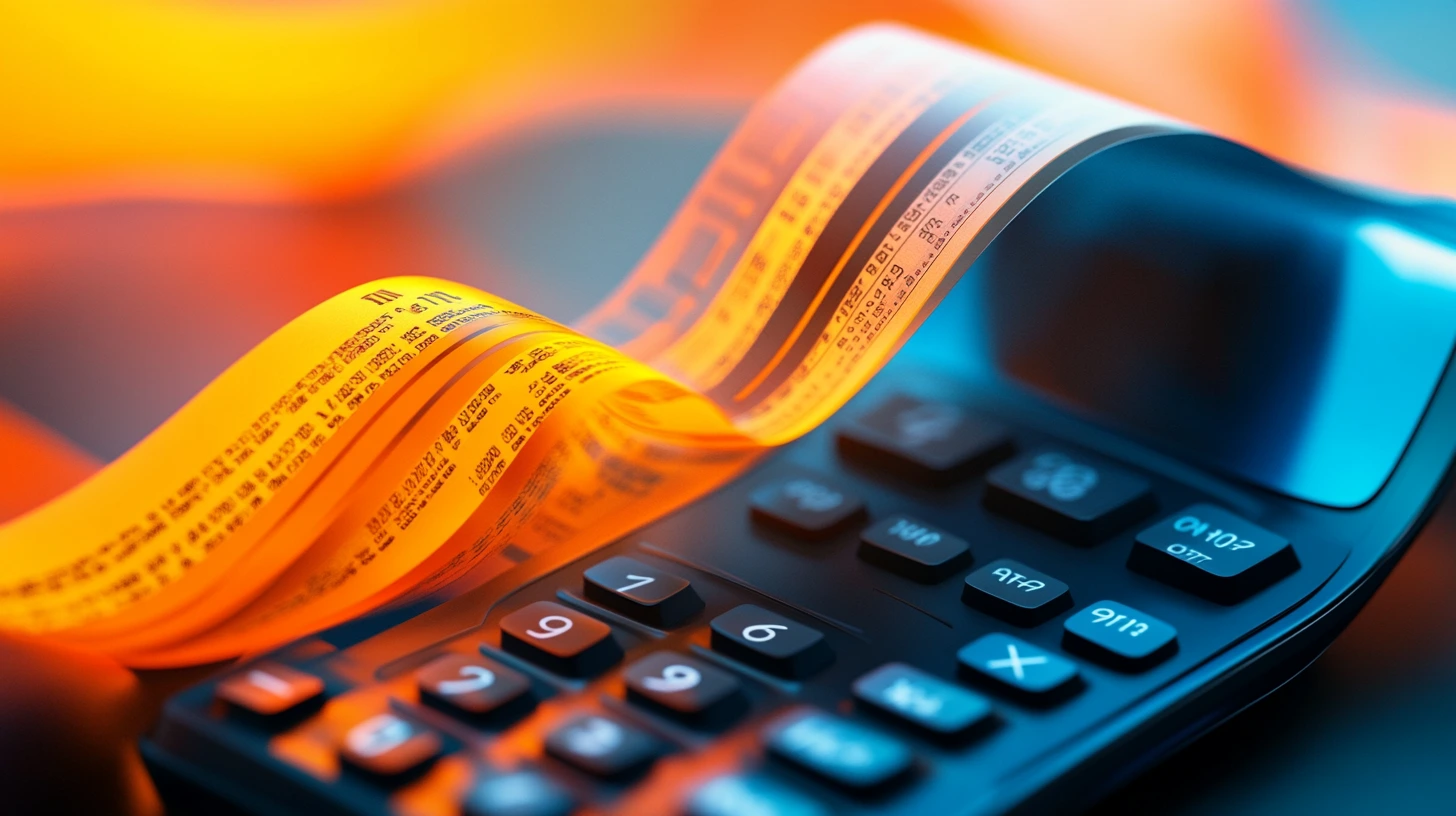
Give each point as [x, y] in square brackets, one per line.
[386, 745]
[270, 689]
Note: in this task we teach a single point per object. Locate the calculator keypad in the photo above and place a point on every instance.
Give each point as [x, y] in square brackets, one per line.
[833, 653]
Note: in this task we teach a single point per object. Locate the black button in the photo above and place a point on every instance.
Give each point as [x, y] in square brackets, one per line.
[1119, 636]
[931, 442]
[473, 685]
[1025, 671]
[1069, 496]
[389, 747]
[560, 639]
[806, 506]
[271, 690]
[770, 642]
[1016, 593]
[754, 794]
[913, 549]
[518, 793]
[641, 592]
[688, 689]
[838, 750]
[603, 746]
[1213, 553]
[927, 702]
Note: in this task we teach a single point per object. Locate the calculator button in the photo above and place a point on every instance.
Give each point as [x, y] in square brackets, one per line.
[932, 442]
[1026, 671]
[270, 689]
[560, 639]
[643, 593]
[838, 750]
[1068, 496]
[603, 746]
[472, 685]
[805, 506]
[770, 642]
[913, 549]
[1119, 636]
[518, 793]
[755, 794]
[932, 704]
[389, 746]
[1212, 553]
[680, 686]
[1016, 593]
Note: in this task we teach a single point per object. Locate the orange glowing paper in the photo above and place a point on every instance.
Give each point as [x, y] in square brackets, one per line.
[403, 433]
[396, 439]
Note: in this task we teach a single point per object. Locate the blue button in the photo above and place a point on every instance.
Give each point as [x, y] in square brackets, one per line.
[518, 793]
[1120, 636]
[922, 699]
[838, 750]
[755, 794]
[1018, 667]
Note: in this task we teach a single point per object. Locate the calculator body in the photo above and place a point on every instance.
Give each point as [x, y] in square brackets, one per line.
[974, 591]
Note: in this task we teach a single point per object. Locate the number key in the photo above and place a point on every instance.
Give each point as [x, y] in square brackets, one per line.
[560, 639]
[639, 591]
[770, 642]
[1119, 636]
[806, 506]
[685, 688]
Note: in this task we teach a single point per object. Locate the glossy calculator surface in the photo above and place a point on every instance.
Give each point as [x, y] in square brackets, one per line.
[1017, 620]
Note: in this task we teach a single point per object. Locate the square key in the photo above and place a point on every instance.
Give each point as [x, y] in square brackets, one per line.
[562, 640]
[754, 794]
[770, 642]
[270, 690]
[1016, 593]
[922, 700]
[685, 688]
[914, 549]
[641, 592]
[930, 442]
[472, 685]
[807, 507]
[838, 750]
[1028, 672]
[389, 746]
[1213, 553]
[518, 793]
[1068, 495]
[1119, 636]
[603, 746]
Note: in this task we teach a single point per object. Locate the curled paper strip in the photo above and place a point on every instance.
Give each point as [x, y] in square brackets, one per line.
[407, 433]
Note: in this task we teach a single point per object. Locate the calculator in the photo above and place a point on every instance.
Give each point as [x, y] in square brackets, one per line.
[976, 590]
